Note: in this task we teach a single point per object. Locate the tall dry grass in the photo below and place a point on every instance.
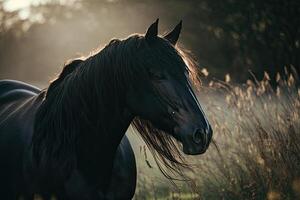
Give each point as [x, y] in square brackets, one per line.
[257, 153]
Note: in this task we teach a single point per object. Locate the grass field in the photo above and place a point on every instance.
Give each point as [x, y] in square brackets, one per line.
[257, 146]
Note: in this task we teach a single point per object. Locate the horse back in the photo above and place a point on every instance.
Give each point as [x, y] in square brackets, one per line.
[9, 85]
[18, 103]
[14, 98]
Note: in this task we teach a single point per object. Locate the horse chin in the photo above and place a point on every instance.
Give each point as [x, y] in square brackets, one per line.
[191, 151]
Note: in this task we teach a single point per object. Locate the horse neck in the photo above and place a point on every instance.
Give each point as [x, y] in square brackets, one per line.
[92, 120]
[109, 118]
[105, 115]
[100, 99]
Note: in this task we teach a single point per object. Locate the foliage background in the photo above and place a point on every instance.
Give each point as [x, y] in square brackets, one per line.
[226, 36]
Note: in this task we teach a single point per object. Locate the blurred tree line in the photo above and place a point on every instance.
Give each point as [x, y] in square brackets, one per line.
[225, 36]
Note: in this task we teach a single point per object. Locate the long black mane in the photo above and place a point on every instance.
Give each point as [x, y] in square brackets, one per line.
[101, 80]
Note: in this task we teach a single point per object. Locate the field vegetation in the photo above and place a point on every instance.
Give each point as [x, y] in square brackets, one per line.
[256, 149]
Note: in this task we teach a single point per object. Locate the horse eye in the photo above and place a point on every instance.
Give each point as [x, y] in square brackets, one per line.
[156, 75]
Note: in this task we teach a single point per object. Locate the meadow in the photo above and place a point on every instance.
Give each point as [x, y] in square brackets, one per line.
[255, 153]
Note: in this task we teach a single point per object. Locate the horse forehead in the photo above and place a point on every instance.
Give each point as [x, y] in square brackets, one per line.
[167, 64]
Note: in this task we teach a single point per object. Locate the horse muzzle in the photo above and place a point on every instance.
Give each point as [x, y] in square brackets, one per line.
[196, 142]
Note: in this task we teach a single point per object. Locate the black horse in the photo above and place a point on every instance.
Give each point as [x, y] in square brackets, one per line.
[68, 140]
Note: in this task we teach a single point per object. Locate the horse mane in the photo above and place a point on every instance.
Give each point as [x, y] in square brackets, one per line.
[68, 68]
[94, 82]
[117, 67]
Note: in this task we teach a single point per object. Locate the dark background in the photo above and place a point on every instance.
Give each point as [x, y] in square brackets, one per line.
[225, 36]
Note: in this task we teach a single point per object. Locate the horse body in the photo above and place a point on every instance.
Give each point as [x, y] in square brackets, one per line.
[19, 103]
[69, 139]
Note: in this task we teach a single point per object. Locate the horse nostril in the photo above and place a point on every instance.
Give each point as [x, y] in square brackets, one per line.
[199, 137]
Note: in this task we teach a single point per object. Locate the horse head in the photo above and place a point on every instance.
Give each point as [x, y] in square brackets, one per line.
[164, 96]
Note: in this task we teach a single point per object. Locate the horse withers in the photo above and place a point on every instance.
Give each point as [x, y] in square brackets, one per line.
[69, 141]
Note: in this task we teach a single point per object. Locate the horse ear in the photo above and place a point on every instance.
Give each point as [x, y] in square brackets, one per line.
[173, 36]
[152, 31]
